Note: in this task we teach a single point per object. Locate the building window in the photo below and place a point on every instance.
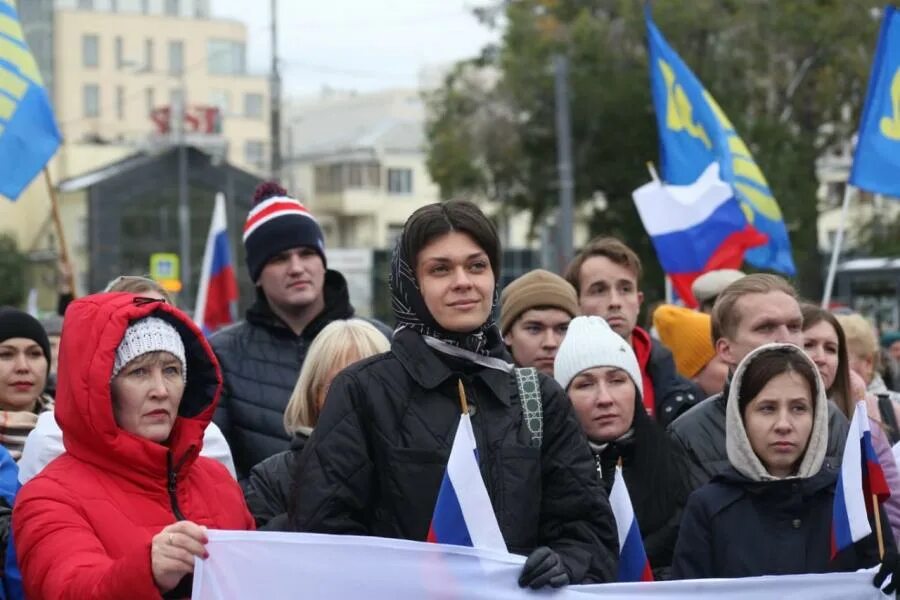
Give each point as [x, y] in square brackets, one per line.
[254, 153]
[90, 50]
[176, 57]
[221, 99]
[120, 52]
[394, 231]
[173, 7]
[176, 100]
[399, 181]
[85, 4]
[150, 98]
[91, 96]
[120, 102]
[253, 106]
[225, 57]
[148, 55]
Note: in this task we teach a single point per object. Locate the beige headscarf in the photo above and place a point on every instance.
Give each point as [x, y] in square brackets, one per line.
[741, 454]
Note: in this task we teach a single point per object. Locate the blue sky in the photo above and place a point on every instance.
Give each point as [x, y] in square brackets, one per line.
[358, 44]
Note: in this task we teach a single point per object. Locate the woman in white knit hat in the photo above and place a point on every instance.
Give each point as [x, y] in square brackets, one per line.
[123, 512]
[600, 373]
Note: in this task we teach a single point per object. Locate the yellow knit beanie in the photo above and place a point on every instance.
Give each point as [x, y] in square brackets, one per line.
[688, 334]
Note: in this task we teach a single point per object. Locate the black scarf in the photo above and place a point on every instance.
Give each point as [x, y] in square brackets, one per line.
[412, 313]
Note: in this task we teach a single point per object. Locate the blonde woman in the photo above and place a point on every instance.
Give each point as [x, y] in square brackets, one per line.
[338, 345]
[865, 354]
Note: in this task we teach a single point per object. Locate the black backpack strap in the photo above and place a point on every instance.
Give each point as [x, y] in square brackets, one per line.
[888, 418]
[532, 405]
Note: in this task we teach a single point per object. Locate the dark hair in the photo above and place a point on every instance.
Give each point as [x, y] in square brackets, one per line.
[840, 389]
[609, 247]
[725, 318]
[434, 220]
[769, 364]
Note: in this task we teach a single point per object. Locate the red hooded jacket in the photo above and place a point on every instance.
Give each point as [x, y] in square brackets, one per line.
[83, 526]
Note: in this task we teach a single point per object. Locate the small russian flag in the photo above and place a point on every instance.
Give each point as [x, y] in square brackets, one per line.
[218, 292]
[633, 563]
[859, 479]
[463, 514]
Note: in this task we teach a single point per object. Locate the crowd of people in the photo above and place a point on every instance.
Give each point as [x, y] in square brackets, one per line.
[728, 422]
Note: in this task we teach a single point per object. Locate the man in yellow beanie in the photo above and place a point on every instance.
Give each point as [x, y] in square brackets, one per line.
[688, 334]
[535, 311]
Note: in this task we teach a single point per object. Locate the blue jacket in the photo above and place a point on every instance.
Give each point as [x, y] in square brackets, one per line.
[9, 487]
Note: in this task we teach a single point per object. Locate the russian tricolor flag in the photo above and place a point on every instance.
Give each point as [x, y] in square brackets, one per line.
[463, 514]
[633, 563]
[860, 479]
[695, 228]
[218, 292]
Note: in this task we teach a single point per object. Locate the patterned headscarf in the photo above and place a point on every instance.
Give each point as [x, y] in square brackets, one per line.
[412, 313]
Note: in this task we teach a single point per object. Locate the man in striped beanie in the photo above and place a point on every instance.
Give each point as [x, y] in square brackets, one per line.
[296, 297]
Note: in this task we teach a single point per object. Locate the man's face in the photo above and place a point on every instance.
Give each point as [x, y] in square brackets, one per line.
[762, 319]
[535, 337]
[293, 279]
[610, 291]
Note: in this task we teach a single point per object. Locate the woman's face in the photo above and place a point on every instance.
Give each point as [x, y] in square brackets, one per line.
[603, 398]
[779, 421]
[456, 281]
[821, 344]
[146, 395]
[23, 373]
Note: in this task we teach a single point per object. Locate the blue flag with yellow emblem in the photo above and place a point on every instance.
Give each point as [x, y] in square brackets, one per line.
[694, 132]
[28, 133]
[876, 162]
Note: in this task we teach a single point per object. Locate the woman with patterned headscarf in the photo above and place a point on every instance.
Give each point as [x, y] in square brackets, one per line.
[375, 463]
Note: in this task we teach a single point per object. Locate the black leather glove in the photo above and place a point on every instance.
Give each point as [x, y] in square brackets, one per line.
[889, 566]
[544, 567]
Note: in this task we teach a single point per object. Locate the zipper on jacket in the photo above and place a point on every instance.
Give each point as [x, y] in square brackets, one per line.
[173, 486]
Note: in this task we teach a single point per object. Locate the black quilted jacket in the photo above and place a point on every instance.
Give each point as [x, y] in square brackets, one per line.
[375, 462]
[261, 359]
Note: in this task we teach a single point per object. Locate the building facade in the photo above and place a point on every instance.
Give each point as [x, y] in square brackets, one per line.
[121, 72]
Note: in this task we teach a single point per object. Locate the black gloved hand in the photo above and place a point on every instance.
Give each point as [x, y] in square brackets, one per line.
[544, 567]
[889, 566]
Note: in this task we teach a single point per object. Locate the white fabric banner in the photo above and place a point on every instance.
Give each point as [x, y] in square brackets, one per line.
[259, 564]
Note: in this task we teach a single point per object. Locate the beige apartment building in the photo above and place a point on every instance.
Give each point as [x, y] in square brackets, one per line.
[109, 65]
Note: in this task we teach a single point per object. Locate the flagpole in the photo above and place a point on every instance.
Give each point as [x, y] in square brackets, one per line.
[57, 220]
[670, 295]
[877, 512]
[836, 251]
[462, 398]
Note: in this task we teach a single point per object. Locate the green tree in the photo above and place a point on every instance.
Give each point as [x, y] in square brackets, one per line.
[12, 272]
[790, 75]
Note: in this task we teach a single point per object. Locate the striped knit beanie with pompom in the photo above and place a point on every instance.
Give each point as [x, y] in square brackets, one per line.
[277, 223]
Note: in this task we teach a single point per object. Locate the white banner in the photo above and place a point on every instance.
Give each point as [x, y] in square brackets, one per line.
[259, 564]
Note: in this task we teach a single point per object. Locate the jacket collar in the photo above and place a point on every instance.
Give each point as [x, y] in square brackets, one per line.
[337, 306]
[429, 369]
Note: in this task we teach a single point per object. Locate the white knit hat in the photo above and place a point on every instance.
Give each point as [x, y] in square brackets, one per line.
[589, 343]
[150, 334]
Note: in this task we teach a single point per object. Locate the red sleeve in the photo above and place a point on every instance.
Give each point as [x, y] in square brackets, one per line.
[61, 558]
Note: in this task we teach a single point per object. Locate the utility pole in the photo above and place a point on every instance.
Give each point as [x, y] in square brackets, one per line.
[184, 206]
[565, 220]
[275, 98]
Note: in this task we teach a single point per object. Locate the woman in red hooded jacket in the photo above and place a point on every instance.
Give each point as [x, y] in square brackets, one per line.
[124, 511]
